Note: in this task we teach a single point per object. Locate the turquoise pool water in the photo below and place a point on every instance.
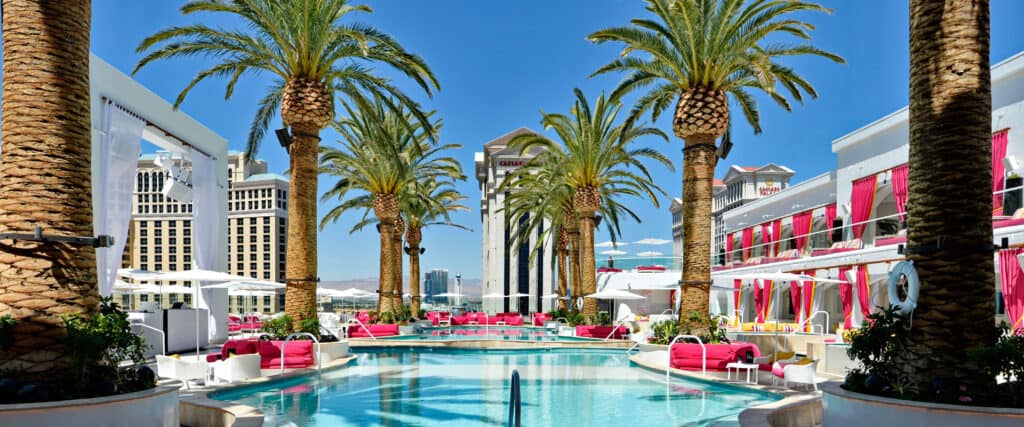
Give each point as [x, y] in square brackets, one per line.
[419, 387]
[507, 333]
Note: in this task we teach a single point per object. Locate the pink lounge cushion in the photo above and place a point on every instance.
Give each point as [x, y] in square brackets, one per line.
[609, 270]
[1008, 222]
[688, 356]
[600, 331]
[540, 318]
[378, 330]
[885, 241]
[289, 361]
[297, 354]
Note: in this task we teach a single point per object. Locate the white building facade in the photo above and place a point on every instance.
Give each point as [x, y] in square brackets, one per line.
[505, 270]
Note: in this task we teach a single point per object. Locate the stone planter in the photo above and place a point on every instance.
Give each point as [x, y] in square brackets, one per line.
[845, 408]
[330, 351]
[154, 407]
[407, 329]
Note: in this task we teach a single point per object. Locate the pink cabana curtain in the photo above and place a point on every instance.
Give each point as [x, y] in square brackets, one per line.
[737, 299]
[728, 247]
[1012, 279]
[846, 297]
[776, 235]
[808, 298]
[748, 241]
[758, 301]
[794, 298]
[862, 203]
[999, 140]
[864, 290]
[901, 188]
[801, 228]
[830, 217]
[767, 238]
[767, 289]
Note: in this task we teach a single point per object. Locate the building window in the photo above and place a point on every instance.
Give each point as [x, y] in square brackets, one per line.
[158, 249]
[158, 241]
[187, 259]
[172, 241]
[266, 266]
[188, 299]
[240, 257]
[241, 266]
[188, 246]
[266, 238]
[266, 257]
[266, 275]
[188, 231]
[144, 249]
[172, 232]
[144, 258]
[144, 298]
[252, 221]
[252, 238]
[266, 220]
[252, 266]
[252, 248]
[239, 239]
[157, 223]
[266, 229]
[252, 256]
[143, 233]
[266, 301]
[143, 241]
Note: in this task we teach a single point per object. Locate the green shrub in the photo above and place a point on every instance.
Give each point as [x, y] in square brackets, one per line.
[97, 346]
[279, 328]
[663, 332]
[1005, 359]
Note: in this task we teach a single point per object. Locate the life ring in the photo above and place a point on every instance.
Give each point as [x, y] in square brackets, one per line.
[906, 306]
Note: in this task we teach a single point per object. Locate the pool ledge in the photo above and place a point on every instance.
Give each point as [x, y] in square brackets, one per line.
[795, 409]
[197, 409]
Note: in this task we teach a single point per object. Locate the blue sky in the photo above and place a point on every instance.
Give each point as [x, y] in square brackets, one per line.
[499, 63]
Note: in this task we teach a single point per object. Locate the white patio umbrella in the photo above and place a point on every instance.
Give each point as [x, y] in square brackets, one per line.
[649, 253]
[615, 294]
[493, 296]
[610, 244]
[136, 274]
[199, 275]
[652, 241]
[613, 252]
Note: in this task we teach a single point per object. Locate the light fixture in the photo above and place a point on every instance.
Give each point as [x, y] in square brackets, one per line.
[1011, 164]
[283, 137]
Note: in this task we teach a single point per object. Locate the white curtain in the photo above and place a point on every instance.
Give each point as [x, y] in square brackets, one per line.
[118, 156]
[205, 210]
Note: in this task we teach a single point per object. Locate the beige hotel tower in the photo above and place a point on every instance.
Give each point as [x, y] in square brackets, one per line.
[160, 237]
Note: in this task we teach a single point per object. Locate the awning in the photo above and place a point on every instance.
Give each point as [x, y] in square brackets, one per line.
[667, 281]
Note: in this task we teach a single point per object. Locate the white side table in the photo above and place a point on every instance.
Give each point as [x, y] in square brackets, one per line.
[749, 367]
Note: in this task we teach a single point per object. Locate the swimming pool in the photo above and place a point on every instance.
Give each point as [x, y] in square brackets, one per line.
[417, 386]
[505, 333]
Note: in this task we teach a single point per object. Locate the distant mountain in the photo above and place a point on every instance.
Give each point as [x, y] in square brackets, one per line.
[470, 287]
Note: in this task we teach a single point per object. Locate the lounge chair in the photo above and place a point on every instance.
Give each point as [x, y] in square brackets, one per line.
[801, 373]
[237, 368]
[838, 247]
[184, 369]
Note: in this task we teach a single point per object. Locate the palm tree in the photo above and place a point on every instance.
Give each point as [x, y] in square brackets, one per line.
[45, 180]
[701, 53]
[382, 152]
[312, 56]
[598, 163]
[951, 126]
[427, 204]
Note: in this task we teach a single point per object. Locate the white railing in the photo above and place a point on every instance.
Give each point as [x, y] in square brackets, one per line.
[301, 334]
[350, 321]
[810, 318]
[163, 345]
[634, 347]
[703, 357]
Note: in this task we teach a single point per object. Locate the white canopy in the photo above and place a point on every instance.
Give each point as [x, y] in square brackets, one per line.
[250, 285]
[246, 292]
[649, 253]
[172, 290]
[610, 244]
[352, 293]
[652, 241]
[134, 274]
[120, 286]
[613, 252]
[615, 294]
[201, 276]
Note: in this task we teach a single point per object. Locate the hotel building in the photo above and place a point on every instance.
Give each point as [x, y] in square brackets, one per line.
[435, 283]
[160, 236]
[846, 223]
[507, 272]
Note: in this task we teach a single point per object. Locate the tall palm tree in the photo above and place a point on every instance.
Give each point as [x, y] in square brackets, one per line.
[45, 179]
[951, 126]
[701, 53]
[313, 54]
[428, 203]
[599, 163]
[382, 152]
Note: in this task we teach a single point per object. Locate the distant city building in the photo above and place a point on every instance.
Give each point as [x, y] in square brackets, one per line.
[160, 236]
[741, 185]
[436, 283]
[507, 272]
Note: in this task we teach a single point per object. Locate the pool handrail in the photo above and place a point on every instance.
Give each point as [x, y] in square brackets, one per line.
[163, 337]
[800, 325]
[703, 357]
[515, 401]
[632, 347]
[301, 334]
[361, 324]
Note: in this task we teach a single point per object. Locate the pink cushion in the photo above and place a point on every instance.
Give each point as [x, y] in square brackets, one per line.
[600, 331]
[688, 356]
[1008, 223]
[378, 330]
[298, 354]
[540, 318]
[885, 241]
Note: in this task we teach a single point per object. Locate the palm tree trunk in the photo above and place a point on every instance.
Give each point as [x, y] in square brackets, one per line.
[45, 178]
[562, 278]
[396, 286]
[698, 172]
[950, 190]
[574, 267]
[588, 267]
[385, 304]
[301, 255]
[414, 270]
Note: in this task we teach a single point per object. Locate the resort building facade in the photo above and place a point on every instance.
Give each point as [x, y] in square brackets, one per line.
[508, 271]
[849, 223]
[161, 233]
[435, 283]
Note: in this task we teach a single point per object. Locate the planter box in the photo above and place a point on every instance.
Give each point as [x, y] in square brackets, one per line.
[845, 408]
[330, 351]
[153, 407]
